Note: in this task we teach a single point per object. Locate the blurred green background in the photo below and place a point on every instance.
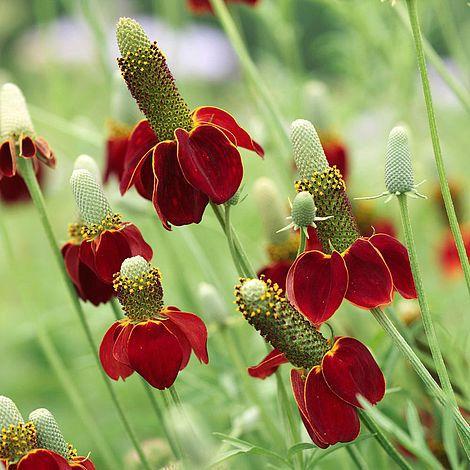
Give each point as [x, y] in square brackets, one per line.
[62, 54]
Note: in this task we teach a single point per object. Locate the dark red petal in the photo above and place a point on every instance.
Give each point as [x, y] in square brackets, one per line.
[116, 148]
[370, 281]
[93, 288]
[349, 369]
[44, 152]
[174, 199]
[313, 243]
[210, 162]
[144, 180]
[13, 189]
[268, 365]
[42, 459]
[111, 366]
[27, 147]
[183, 341]
[155, 353]
[111, 249]
[121, 341]
[87, 255]
[82, 462]
[71, 254]
[336, 154]
[227, 124]
[277, 272]
[316, 284]
[334, 419]
[298, 389]
[396, 258]
[194, 329]
[7, 159]
[136, 242]
[141, 141]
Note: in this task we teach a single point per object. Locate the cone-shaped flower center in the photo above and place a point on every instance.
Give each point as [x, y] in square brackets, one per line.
[14, 115]
[48, 432]
[17, 440]
[85, 162]
[264, 307]
[139, 289]
[144, 68]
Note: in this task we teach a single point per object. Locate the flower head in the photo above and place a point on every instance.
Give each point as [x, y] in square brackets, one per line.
[180, 160]
[37, 443]
[364, 270]
[17, 136]
[153, 340]
[328, 374]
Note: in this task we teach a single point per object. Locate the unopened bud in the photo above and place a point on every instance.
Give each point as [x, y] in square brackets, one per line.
[48, 433]
[85, 162]
[212, 303]
[9, 413]
[14, 115]
[303, 210]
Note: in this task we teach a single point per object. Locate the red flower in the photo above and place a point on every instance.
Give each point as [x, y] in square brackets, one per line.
[203, 6]
[448, 255]
[366, 273]
[105, 253]
[336, 154]
[182, 175]
[42, 459]
[327, 394]
[14, 189]
[116, 148]
[155, 349]
[87, 284]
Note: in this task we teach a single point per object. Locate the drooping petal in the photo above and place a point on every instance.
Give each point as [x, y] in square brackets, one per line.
[194, 329]
[174, 199]
[141, 142]
[334, 419]
[87, 255]
[111, 366]
[71, 254]
[316, 284]
[93, 288]
[7, 159]
[183, 341]
[398, 262]
[137, 245]
[277, 272]
[349, 369]
[268, 365]
[42, 459]
[121, 341]
[111, 248]
[44, 152]
[313, 243]
[144, 180]
[116, 149]
[370, 281]
[227, 124]
[210, 162]
[27, 147]
[155, 353]
[83, 463]
[298, 389]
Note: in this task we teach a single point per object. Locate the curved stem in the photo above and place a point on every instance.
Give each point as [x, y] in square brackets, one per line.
[453, 222]
[356, 457]
[229, 235]
[175, 447]
[303, 242]
[27, 172]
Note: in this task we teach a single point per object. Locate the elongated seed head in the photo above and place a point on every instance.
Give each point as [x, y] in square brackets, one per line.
[9, 413]
[130, 36]
[85, 162]
[48, 432]
[307, 149]
[14, 115]
[398, 165]
[135, 267]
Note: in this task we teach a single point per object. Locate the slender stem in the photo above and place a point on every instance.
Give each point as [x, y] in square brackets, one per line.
[454, 225]
[356, 457]
[175, 447]
[303, 242]
[27, 172]
[229, 235]
[252, 74]
[422, 372]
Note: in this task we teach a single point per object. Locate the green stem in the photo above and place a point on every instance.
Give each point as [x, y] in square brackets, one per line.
[382, 439]
[252, 74]
[27, 172]
[454, 225]
[303, 242]
[229, 235]
[175, 446]
[422, 372]
[356, 457]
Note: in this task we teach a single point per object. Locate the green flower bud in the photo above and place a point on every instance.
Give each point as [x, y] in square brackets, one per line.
[14, 115]
[85, 162]
[89, 196]
[48, 432]
[307, 149]
[303, 210]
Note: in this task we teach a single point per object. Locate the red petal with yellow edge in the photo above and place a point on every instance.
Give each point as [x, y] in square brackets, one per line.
[398, 262]
[210, 162]
[334, 419]
[141, 142]
[111, 366]
[268, 365]
[298, 389]
[155, 353]
[183, 341]
[7, 159]
[316, 284]
[349, 369]
[82, 462]
[227, 124]
[193, 328]
[27, 147]
[42, 459]
[174, 199]
[121, 341]
[137, 245]
[111, 249]
[370, 281]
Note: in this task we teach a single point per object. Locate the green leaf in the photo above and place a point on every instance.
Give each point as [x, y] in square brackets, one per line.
[299, 447]
[414, 425]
